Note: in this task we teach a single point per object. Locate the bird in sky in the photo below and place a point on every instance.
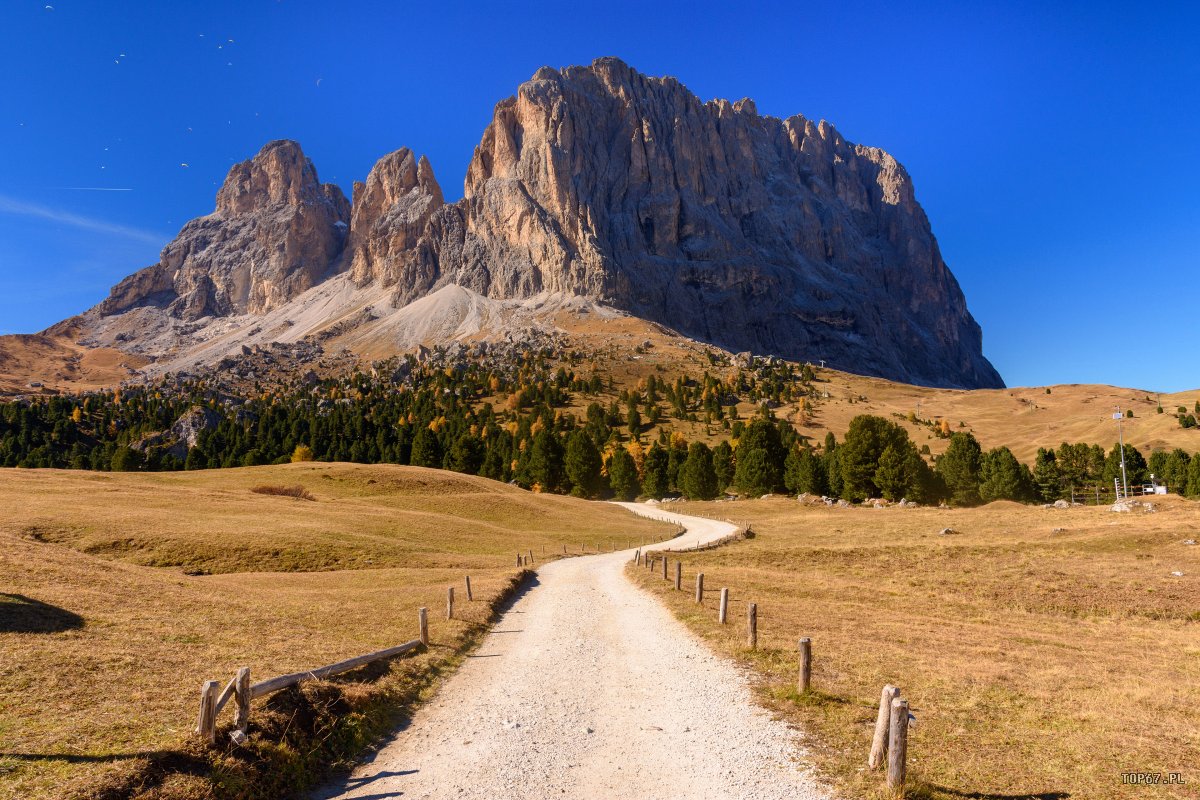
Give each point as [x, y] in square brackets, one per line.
[184, 164]
[319, 81]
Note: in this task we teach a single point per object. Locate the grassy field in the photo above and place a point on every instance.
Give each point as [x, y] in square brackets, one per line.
[120, 593]
[1044, 652]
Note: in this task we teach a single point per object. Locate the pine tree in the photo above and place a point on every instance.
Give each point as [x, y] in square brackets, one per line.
[723, 465]
[891, 474]
[760, 458]
[426, 449]
[466, 454]
[545, 468]
[583, 464]
[698, 479]
[1046, 476]
[622, 475]
[860, 453]
[959, 467]
[654, 473]
[1002, 477]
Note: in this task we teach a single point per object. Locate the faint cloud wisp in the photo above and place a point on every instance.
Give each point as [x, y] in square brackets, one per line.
[9, 205]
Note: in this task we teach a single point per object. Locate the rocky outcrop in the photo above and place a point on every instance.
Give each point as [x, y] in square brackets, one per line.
[273, 235]
[391, 238]
[774, 236]
[751, 232]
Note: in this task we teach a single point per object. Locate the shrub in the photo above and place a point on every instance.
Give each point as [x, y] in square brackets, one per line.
[297, 491]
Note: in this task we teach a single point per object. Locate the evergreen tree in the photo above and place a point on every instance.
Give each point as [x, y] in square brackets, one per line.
[698, 479]
[1193, 482]
[1002, 477]
[466, 454]
[545, 467]
[583, 465]
[426, 449]
[804, 472]
[860, 453]
[125, 459]
[833, 465]
[760, 457]
[654, 473]
[891, 474]
[959, 467]
[1046, 477]
[723, 465]
[1136, 472]
[1175, 472]
[622, 475]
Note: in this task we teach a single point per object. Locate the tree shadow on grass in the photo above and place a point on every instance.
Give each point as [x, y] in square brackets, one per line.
[21, 614]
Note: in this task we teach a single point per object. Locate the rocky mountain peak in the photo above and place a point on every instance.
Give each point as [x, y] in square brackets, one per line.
[390, 218]
[274, 232]
[279, 175]
[777, 236]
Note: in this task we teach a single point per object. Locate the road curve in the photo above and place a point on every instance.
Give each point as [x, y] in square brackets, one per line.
[589, 688]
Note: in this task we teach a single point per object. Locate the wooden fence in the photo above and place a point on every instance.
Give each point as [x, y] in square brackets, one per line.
[890, 743]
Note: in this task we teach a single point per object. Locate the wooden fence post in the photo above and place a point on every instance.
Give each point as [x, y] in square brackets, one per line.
[449, 602]
[805, 665]
[470, 596]
[241, 719]
[206, 725]
[879, 744]
[530, 556]
[752, 624]
[664, 568]
[898, 746]
[423, 625]
[678, 574]
[519, 564]
[723, 613]
[700, 587]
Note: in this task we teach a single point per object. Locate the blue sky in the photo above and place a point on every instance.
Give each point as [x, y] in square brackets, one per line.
[1053, 145]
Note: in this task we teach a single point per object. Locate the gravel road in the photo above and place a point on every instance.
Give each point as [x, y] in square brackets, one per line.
[588, 688]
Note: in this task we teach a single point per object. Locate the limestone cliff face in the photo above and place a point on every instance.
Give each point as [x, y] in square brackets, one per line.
[391, 239]
[274, 233]
[752, 232]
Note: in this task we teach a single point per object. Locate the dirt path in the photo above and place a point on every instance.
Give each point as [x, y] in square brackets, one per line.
[588, 688]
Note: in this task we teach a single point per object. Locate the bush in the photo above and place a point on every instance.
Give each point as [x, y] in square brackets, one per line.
[297, 491]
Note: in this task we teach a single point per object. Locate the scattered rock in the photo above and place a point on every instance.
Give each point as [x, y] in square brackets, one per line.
[947, 532]
[1061, 504]
[1189, 541]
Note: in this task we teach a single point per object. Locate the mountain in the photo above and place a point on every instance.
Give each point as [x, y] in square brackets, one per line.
[593, 188]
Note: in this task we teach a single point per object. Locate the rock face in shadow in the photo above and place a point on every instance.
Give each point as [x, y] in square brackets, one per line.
[755, 233]
[273, 235]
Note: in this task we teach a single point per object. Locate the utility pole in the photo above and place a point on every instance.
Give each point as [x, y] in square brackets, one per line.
[1119, 417]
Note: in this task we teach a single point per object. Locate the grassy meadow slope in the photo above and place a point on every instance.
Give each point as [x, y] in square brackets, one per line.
[120, 593]
[1022, 419]
[1044, 652]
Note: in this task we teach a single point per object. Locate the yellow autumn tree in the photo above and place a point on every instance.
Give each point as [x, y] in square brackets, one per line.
[302, 453]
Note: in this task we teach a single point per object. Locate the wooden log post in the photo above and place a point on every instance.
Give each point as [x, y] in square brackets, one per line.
[723, 610]
[519, 564]
[470, 597]
[206, 723]
[449, 602]
[898, 746]
[241, 718]
[700, 588]
[530, 556]
[752, 625]
[805, 679]
[423, 625]
[664, 568]
[879, 744]
[678, 575]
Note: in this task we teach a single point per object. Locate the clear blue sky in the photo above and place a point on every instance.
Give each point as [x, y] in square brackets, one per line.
[1054, 146]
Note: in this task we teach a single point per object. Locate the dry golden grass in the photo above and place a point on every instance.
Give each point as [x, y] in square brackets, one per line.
[1039, 664]
[1022, 419]
[106, 639]
[58, 362]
